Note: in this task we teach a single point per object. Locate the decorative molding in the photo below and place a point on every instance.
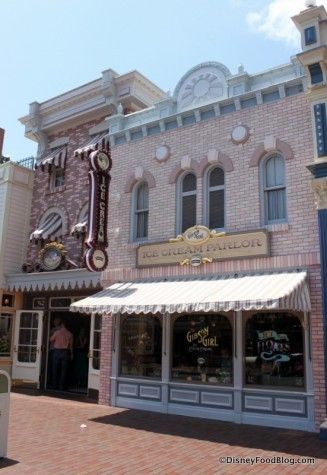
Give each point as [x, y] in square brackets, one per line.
[319, 187]
[214, 157]
[139, 175]
[180, 168]
[59, 142]
[271, 144]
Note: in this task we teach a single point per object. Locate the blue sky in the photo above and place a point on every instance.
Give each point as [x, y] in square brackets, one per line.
[51, 46]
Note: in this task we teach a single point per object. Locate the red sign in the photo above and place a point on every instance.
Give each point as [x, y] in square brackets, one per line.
[96, 257]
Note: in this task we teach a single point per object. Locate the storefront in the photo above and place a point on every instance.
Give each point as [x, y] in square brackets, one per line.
[232, 348]
[47, 298]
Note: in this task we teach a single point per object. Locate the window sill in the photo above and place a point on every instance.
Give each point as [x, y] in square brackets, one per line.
[59, 189]
[277, 227]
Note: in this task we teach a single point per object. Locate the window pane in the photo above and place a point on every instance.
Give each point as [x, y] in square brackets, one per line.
[142, 224]
[26, 354]
[274, 350]
[59, 177]
[188, 211]
[275, 171]
[5, 333]
[142, 197]
[189, 183]
[216, 177]
[276, 209]
[216, 209]
[141, 347]
[203, 349]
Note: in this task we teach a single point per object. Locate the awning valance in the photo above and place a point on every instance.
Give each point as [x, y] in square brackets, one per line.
[282, 291]
[51, 227]
[97, 142]
[56, 158]
[56, 280]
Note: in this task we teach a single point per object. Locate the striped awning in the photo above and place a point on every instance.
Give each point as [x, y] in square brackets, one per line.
[280, 291]
[51, 227]
[97, 142]
[81, 226]
[56, 158]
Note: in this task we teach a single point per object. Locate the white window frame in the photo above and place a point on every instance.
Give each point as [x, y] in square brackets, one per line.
[179, 201]
[264, 190]
[207, 189]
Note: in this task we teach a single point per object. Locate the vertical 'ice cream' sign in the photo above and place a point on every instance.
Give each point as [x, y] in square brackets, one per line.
[96, 257]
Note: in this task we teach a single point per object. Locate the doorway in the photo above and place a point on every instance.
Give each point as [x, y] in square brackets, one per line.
[77, 372]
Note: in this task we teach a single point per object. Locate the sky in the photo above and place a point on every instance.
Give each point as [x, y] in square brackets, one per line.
[51, 46]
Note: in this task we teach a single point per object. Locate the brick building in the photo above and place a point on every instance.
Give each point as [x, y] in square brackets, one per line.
[214, 305]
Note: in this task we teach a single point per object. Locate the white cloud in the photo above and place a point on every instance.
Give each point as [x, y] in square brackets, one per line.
[274, 20]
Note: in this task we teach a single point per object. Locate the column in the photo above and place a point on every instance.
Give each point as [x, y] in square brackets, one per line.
[106, 360]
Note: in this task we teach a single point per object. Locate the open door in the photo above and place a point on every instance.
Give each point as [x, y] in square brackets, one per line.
[95, 352]
[27, 346]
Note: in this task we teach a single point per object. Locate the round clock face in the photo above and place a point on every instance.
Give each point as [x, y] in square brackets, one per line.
[103, 161]
[51, 259]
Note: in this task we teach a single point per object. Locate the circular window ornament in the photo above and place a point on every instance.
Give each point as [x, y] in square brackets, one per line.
[240, 134]
[51, 256]
[162, 153]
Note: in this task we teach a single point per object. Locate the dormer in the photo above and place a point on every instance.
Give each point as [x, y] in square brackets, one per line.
[312, 24]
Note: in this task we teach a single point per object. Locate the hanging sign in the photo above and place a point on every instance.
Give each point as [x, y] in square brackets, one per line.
[96, 257]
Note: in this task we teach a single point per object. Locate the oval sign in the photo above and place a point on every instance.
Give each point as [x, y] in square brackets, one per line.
[196, 235]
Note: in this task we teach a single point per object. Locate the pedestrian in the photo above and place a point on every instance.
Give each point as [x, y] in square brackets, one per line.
[62, 340]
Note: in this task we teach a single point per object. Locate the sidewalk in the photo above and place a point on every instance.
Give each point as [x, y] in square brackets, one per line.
[45, 438]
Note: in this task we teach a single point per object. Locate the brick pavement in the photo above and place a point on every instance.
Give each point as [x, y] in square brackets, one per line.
[45, 438]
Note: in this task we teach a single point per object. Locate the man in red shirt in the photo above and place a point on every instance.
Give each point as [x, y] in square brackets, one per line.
[62, 341]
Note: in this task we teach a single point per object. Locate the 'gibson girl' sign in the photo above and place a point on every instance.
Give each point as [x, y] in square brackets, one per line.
[96, 257]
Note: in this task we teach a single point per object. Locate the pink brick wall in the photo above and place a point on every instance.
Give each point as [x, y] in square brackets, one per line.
[106, 360]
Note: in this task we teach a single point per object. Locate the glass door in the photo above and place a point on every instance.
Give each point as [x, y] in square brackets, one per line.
[95, 352]
[27, 346]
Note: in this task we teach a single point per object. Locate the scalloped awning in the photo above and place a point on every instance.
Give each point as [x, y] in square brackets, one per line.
[51, 227]
[97, 142]
[56, 158]
[57, 280]
[282, 291]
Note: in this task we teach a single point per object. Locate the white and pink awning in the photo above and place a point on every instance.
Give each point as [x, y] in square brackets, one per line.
[96, 142]
[275, 291]
[56, 158]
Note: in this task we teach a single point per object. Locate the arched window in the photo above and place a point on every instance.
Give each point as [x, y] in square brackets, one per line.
[141, 212]
[274, 189]
[215, 199]
[187, 202]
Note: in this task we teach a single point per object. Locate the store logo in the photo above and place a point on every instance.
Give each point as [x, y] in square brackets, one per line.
[96, 257]
[202, 337]
[273, 346]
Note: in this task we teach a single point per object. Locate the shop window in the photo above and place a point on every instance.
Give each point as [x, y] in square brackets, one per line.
[274, 351]
[6, 320]
[141, 343]
[141, 212]
[96, 342]
[187, 203]
[203, 349]
[215, 199]
[274, 189]
[57, 178]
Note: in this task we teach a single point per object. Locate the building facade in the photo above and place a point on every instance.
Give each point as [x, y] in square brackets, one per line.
[214, 305]
[214, 296]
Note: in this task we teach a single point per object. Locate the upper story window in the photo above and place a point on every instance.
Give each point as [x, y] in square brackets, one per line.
[315, 73]
[141, 212]
[310, 35]
[215, 199]
[187, 202]
[57, 178]
[274, 189]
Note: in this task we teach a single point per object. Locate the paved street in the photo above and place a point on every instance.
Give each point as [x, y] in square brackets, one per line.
[46, 438]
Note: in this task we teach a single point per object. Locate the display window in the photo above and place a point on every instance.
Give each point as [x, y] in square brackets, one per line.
[274, 351]
[203, 349]
[141, 347]
[5, 334]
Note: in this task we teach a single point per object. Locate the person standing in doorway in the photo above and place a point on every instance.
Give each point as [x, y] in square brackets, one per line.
[62, 340]
[56, 326]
